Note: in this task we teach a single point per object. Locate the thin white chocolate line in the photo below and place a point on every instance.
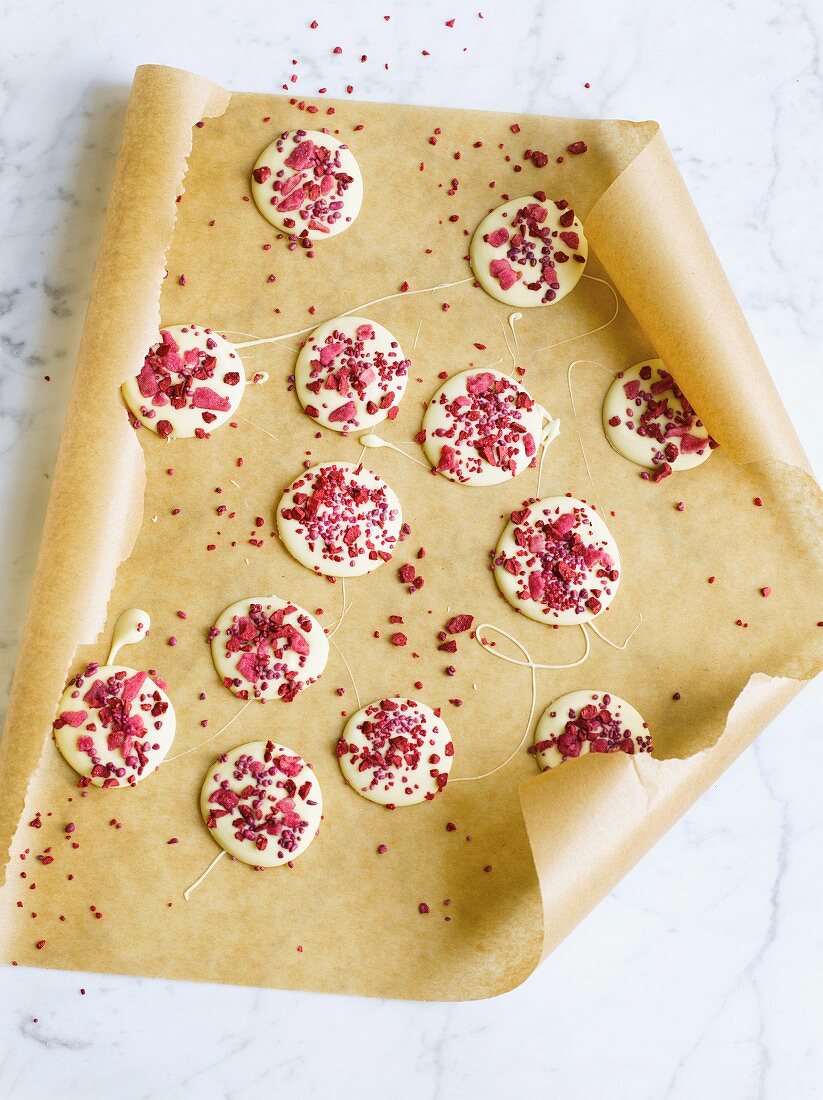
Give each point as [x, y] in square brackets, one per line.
[222, 729]
[236, 332]
[351, 675]
[512, 355]
[572, 365]
[417, 336]
[346, 609]
[187, 893]
[246, 420]
[550, 433]
[373, 440]
[592, 331]
[614, 645]
[354, 309]
[530, 664]
[512, 319]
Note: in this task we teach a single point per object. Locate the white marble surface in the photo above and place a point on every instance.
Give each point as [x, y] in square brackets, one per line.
[701, 975]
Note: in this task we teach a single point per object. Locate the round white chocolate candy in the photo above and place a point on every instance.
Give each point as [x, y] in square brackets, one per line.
[114, 725]
[588, 721]
[308, 184]
[191, 383]
[350, 374]
[262, 803]
[529, 252]
[339, 519]
[482, 427]
[268, 648]
[396, 752]
[649, 421]
[557, 562]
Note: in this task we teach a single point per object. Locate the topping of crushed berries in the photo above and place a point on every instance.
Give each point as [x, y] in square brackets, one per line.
[117, 714]
[599, 726]
[396, 747]
[351, 380]
[345, 514]
[264, 798]
[271, 646]
[558, 562]
[481, 419]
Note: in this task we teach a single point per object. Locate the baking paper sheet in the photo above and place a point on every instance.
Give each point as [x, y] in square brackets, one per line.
[346, 919]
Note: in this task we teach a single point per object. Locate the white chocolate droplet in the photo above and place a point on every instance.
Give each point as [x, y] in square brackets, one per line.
[131, 627]
[482, 428]
[269, 647]
[339, 519]
[350, 374]
[114, 725]
[644, 389]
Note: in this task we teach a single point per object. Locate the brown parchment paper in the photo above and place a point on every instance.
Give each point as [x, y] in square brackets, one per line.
[555, 842]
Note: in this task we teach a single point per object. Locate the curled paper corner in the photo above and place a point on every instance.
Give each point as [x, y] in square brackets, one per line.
[591, 820]
[641, 228]
[122, 321]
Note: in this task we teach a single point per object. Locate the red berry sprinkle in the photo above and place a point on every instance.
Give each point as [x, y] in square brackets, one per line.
[457, 624]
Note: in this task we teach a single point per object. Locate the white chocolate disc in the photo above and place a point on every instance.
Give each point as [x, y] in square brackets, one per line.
[350, 374]
[529, 253]
[396, 752]
[648, 420]
[268, 646]
[339, 519]
[588, 721]
[190, 383]
[114, 725]
[557, 562]
[262, 803]
[482, 427]
[308, 184]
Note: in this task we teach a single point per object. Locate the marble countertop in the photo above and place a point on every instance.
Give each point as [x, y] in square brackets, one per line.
[700, 975]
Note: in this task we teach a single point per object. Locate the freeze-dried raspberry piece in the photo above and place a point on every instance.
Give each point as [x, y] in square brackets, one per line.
[262, 803]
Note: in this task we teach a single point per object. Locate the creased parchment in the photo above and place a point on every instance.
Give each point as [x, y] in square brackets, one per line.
[346, 919]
